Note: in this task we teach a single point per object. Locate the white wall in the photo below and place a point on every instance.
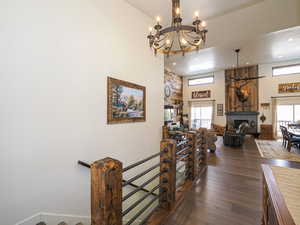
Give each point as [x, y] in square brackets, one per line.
[217, 93]
[268, 87]
[54, 60]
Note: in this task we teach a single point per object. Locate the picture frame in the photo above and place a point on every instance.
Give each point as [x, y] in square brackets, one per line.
[126, 102]
[289, 88]
[220, 110]
[201, 94]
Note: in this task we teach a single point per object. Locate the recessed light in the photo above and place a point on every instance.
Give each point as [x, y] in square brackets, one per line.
[280, 56]
[174, 63]
[290, 39]
[247, 63]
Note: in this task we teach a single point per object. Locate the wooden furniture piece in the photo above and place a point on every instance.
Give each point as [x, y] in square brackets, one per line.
[293, 138]
[281, 196]
[217, 129]
[285, 136]
[294, 132]
[211, 140]
[266, 132]
[235, 138]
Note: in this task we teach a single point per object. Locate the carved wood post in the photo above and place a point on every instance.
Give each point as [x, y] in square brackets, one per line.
[165, 132]
[168, 179]
[106, 192]
[193, 165]
[203, 149]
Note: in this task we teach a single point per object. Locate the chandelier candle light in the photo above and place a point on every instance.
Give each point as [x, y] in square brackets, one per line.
[177, 38]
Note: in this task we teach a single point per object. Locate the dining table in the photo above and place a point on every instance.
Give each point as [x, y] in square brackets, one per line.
[294, 132]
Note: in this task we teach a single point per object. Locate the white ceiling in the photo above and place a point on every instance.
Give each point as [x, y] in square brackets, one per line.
[207, 8]
[261, 28]
[273, 47]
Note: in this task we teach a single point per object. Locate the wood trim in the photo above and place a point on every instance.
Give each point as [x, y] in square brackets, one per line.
[192, 162]
[106, 192]
[110, 119]
[281, 211]
[168, 179]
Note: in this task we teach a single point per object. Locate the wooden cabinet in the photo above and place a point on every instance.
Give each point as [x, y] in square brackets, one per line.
[266, 132]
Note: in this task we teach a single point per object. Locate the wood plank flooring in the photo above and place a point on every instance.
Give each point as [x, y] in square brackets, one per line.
[230, 193]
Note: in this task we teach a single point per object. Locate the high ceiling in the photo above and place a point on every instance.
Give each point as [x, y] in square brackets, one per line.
[273, 47]
[265, 30]
[206, 8]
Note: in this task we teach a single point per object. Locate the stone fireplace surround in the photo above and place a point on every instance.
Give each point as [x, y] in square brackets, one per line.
[236, 118]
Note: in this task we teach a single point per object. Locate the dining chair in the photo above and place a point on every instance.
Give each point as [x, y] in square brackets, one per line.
[291, 140]
[285, 136]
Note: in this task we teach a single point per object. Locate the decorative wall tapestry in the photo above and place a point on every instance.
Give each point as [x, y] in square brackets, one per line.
[200, 94]
[220, 110]
[289, 88]
[126, 102]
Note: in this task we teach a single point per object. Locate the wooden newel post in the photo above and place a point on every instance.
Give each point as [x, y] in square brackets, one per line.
[106, 192]
[168, 177]
[193, 165]
[165, 132]
[203, 149]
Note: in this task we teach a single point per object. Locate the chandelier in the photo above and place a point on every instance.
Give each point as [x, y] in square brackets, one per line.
[177, 38]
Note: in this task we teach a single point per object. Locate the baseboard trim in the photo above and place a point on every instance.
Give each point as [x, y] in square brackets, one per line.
[34, 219]
[56, 218]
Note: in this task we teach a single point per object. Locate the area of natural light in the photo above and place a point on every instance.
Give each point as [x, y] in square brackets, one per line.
[286, 70]
[201, 81]
[201, 117]
[287, 114]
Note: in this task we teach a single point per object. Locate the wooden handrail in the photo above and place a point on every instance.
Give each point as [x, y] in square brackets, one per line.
[87, 165]
[107, 182]
[275, 210]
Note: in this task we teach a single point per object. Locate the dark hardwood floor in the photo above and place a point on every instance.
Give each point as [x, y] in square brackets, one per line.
[230, 193]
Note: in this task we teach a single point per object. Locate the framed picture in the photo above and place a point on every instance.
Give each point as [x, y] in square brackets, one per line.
[289, 88]
[200, 94]
[126, 102]
[220, 110]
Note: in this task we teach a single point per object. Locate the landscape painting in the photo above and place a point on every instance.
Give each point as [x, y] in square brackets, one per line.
[126, 102]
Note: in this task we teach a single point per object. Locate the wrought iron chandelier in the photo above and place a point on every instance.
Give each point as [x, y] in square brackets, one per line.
[177, 38]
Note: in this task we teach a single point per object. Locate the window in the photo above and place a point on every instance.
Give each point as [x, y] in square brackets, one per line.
[287, 114]
[286, 70]
[201, 117]
[201, 80]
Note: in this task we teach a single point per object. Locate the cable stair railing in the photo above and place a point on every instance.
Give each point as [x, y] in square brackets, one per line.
[156, 186]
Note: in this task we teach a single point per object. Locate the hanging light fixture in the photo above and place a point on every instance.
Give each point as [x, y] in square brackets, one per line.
[177, 38]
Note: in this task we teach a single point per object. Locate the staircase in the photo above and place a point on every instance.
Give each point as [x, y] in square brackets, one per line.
[61, 223]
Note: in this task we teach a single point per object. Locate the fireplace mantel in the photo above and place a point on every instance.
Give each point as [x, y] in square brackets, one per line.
[241, 113]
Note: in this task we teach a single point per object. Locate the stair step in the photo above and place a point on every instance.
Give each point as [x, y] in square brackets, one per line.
[61, 223]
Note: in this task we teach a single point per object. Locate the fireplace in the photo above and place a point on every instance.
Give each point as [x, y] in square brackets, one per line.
[237, 123]
[234, 119]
